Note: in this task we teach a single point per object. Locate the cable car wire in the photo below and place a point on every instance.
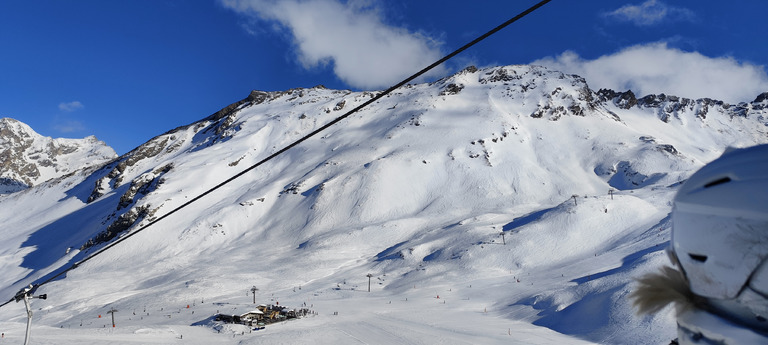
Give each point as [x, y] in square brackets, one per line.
[20, 295]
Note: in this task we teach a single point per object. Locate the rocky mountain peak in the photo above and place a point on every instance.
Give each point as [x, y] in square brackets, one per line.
[763, 97]
[28, 158]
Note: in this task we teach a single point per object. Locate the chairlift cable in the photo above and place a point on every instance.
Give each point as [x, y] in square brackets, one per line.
[295, 143]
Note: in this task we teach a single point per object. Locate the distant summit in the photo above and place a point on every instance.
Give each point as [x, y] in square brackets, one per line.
[28, 158]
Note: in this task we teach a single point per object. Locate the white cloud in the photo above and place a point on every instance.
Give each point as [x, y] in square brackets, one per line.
[71, 106]
[650, 12]
[363, 51]
[69, 126]
[656, 68]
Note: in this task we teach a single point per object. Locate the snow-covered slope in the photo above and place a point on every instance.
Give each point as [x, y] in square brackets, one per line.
[489, 189]
[28, 158]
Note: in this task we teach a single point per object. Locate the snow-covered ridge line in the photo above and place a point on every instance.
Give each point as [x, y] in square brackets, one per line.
[548, 94]
[669, 106]
[27, 158]
[415, 190]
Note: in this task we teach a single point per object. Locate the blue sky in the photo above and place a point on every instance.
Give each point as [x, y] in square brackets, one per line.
[126, 71]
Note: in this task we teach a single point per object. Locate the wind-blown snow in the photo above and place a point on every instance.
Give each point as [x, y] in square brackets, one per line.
[415, 190]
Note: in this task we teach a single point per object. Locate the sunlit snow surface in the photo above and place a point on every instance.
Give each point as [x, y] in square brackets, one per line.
[416, 190]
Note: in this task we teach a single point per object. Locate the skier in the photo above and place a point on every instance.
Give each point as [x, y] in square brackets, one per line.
[719, 246]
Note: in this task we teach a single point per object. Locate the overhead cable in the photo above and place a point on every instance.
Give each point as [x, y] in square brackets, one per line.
[295, 143]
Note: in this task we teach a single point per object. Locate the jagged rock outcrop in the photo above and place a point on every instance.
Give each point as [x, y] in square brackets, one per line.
[762, 98]
[622, 100]
[668, 107]
[28, 158]
[123, 222]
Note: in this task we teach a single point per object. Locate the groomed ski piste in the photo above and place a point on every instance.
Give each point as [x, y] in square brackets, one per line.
[415, 190]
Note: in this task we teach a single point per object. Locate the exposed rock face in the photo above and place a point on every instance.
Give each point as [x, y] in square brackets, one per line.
[214, 129]
[451, 89]
[669, 107]
[622, 100]
[761, 98]
[27, 158]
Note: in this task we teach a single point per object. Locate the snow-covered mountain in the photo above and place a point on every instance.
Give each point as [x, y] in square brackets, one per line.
[28, 158]
[498, 202]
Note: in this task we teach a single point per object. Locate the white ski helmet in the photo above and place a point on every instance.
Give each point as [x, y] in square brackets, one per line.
[720, 233]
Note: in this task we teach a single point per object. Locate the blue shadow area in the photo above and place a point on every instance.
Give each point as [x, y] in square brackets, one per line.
[587, 316]
[624, 178]
[581, 318]
[80, 256]
[205, 322]
[436, 254]
[626, 263]
[82, 191]
[525, 220]
[390, 253]
[50, 242]
[313, 190]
